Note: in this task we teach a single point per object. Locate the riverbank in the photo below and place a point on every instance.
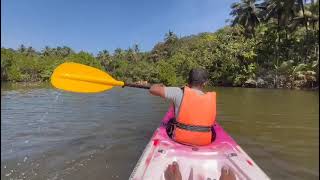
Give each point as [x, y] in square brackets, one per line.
[229, 57]
[24, 85]
[46, 84]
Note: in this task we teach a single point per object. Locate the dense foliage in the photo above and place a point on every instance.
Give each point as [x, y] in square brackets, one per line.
[273, 43]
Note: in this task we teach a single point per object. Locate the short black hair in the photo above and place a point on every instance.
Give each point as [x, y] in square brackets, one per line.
[197, 77]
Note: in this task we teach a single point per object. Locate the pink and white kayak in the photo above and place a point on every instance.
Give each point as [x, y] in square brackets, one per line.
[196, 163]
[201, 163]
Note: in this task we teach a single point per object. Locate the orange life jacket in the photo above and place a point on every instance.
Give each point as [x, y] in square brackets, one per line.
[196, 117]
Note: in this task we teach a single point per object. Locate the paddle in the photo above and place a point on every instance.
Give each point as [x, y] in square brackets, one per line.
[80, 78]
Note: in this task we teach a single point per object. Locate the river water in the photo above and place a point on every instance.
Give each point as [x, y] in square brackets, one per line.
[49, 134]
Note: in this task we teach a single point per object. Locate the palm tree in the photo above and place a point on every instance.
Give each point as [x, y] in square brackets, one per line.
[22, 48]
[103, 54]
[104, 58]
[59, 51]
[283, 11]
[309, 14]
[66, 51]
[246, 13]
[170, 37]
[314, 8]
[46, 51]
[136, 48]
[30, 51]
[118, 51]
[131, 55]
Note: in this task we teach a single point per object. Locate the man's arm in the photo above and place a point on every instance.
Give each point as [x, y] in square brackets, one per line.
[157, 90]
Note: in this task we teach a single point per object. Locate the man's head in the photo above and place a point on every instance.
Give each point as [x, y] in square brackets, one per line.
[197, 77]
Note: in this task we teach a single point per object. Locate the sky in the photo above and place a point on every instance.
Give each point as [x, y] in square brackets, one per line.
[95, 25]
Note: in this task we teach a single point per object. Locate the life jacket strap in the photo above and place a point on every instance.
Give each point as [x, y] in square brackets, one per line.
[192, 127]
[170, 128]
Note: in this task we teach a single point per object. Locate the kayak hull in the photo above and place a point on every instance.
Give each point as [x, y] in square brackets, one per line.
[203, 162]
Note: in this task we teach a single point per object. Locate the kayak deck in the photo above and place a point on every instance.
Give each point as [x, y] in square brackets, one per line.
[203, 162]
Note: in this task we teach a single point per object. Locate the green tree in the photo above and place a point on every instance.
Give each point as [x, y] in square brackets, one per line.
[247, 14]
[104, 57]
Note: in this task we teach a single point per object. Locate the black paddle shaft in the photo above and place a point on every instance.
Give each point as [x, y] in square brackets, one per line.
[137, 85]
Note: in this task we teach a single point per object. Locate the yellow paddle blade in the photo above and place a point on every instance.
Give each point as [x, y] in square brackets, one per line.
[80, 78]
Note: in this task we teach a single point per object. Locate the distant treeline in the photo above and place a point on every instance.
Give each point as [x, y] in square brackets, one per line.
[273, 44]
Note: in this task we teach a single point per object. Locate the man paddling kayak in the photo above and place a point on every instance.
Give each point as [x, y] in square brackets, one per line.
[195, 111]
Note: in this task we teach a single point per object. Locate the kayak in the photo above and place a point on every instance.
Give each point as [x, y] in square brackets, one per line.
[202, 162]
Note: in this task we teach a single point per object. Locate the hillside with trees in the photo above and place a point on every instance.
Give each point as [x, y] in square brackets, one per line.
[270, 44]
